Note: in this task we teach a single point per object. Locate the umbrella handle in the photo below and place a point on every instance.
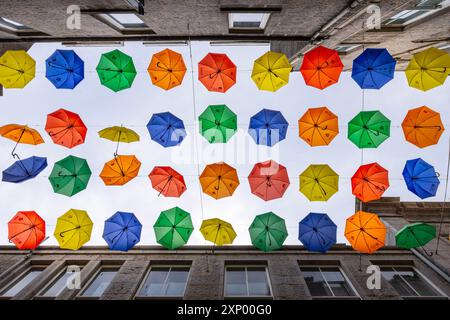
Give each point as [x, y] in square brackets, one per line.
[430, 254]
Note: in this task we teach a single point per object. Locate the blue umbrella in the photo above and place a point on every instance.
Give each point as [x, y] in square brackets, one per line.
[373, 68]
[268, 127]
[122, 231]
[166, 129]
[23, 170]
[421, 178]
[64, 69]
[317, 232]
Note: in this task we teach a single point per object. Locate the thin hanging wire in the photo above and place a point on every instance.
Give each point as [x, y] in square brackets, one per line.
[441, 222]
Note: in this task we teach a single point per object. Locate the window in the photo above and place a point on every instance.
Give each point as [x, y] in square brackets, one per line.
[101, 282]
[327, 282]
[21, 282]
[423, 9]
[165, 281]
[247, 281]
[124, 20]
[346, 48]
[248, 21]
[12, 25]
[59, 284]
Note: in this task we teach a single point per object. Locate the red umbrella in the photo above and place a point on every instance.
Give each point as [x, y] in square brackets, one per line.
[370, 182]
[167, 181]
[217, 72]
[26, 230]
[268, 180]
[65, 128]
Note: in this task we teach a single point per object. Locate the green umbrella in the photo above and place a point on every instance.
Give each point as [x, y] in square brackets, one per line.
[268, 231]
[173, 228]
[116, 70]
[218, 123]
[70, 175]
[369, 129]
[415, 235]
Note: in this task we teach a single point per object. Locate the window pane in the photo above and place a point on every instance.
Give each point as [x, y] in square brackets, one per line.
[99, 285]
[337, 282]
[126, 18]
[315, 282]
[236, 282]
[12, 22]
[247, 20]
[257, 281]
[417, 282]
[58, 286]
[154, 285]
[176, 283]
[22, 283]
[397, 282]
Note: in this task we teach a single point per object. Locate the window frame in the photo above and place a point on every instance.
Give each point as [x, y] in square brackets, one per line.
[350, 48]
[19, 277]
[125, 29]
[22, 30]
[426, 11]
[248, 296]
[52, 282]
[261, 28]
[106, 267]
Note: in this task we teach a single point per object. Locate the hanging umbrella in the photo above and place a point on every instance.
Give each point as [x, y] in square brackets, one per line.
[268, 232]
[219, 180]
[428, 69]
[217, 72]
[70, 176]
[122, 231]
[217, 231]
[317, 232]
[26, 230]
[20, 134]
[17, 68]
[65, 69]
[422, 127]
[167, 182]
[166, 129]
[23, 170]
[268, 127]
[369, 182]
[73, 229]
[373, 68]
[167, 69]
[318, 126]
[120, 170]
[218, 123]
[116, 70]
[321, 67]
[118, 134]
[65, 128]
[421, 178]
[173, 228]
[271, 71]
[365, 232]
[369, 129]
[415, 235]
[319, 182]
[268, 180]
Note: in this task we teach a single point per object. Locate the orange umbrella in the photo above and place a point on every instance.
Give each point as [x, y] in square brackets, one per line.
[370, 182]
[219, 180]
[217, 72]
[365, 232]
[321, 67]
[120, 170]
[21, 134]
[26, 230]
[422, 126]
[167, 69]
[65, 128]
[167, 181]
[318, 126]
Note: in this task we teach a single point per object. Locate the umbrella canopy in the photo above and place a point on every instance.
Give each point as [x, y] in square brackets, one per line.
[26, 230]
[369, 129]
[73, 229]
[120, 170]
[318, 126]
[319, 182]
[173, 228]
[122, 231]
[119, 134]
[422, 127]
[17, 69]
[70, 176]
[369, 182]
[428, 69]
[271, 71]
[166, 129]
[268, 232]
[218, 123]
[217, 231]
[21, 134]
[365, 232]
[65, 69]
[66, 128]
[317, 232]
[116, 70]
[421, 178]
[167, 69]
[268, 180]
[373, 68]
[219, 180]
[321, 67]
[167, 182]
[23, 170]
[217, 72]
[268, 127]
[415, 235]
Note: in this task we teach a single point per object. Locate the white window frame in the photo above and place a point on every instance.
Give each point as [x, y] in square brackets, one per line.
[19, 277]
[426, 11]
[13, 25]
[109, 18]
[81, 296]
[41, 294]
[262, 25]
[270, 296]
[349, 48]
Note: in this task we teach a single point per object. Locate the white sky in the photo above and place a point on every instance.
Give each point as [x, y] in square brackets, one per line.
[100, 107]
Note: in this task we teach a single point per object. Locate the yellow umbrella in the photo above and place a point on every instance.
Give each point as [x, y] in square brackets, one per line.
[271, 71]
[319, 182]
[119, 134]
[428, 69]
[217, 231]
[73, 229]
[17, 68]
